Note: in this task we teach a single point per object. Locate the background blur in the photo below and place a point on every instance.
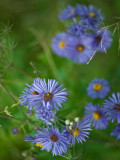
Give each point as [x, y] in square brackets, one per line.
[33, 23]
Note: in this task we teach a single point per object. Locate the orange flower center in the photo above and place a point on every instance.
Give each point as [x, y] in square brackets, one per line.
[80, 48]
[96, 115]
[48, 96]
[62, 44]
[97, 87]
[53, 138]
[35, 93]
[92, 14]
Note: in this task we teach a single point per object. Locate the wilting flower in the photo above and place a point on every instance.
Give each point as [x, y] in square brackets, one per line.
[79, 48]
[112, 107]
[102, 40]
[116, 132]
[78, 131]
[59, 44]
[96, 115]
[50, 94]
[98, 88]
[68, 13]
[50, 139]
[47, 115]
[91, 15]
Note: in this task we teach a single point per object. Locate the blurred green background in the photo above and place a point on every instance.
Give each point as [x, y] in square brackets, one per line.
[33, 24]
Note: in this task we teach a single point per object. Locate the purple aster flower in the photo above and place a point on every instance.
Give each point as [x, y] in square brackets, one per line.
[77, 29]
[98, 88]
[47, 115]
[96, 116]
[68, 13]
[91, 15]
[51, 139]
[49, 94]
[102, 40]
[112, 107]
[79, 48]
[116, 132]
[78, 131]
[15, 131]
[59, 44]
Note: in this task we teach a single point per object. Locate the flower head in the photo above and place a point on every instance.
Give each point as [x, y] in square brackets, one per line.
[98, 88]
[51, 139]
[47, 115]
[49, 94]
[102, 40]
[116, 132]
[79, 48]
[78, 131]
[91, 15]
[59, 44]
[68, 13]
[112, 107]
[96, 116]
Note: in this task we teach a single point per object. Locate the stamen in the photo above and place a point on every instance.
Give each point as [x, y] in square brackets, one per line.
[96, 115]
[53, 138]
[35, 93]
[97, 87]
[62, 44]
[80, 47]
[48, 96]
[76, 119]
[71, 123]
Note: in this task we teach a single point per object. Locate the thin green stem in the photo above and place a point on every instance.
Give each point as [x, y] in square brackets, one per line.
[14, 118]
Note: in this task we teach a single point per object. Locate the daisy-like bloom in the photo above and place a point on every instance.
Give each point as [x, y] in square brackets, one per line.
[59, 44]
[47, 115]
[51, 139]
[79, 48]
[112, 107]
[98, 88]
[78, 131]
[49, 94]
[96, 115]
[116, 132]
[102, 40]
[90, 14]
[68, 13]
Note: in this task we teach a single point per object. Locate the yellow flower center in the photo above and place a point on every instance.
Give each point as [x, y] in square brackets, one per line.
[97, 87]
[96, 115]
[62, 44]
[80, 47]
[38, 144]
[92, 14]
[75, 132]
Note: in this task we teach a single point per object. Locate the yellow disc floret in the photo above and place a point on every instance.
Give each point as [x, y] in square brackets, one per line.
[62, 44]
[38, 144]
[97, 87]
[75, 132]
[92, 14]
[96, 115]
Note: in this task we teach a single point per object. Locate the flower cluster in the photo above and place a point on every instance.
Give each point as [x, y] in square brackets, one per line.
[46, 99]
[100, 116]
[85, 35]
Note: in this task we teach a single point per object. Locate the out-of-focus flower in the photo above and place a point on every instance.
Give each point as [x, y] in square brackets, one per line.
[116, 132]
[96, 115]
[98, 88]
